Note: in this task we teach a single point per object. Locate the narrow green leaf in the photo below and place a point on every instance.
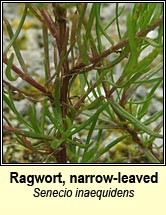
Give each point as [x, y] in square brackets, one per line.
[57, 106]
[36, 135]
[154, 117]
[15, 46]
[149, 81]
[147, 103]
[158, 11]
[53, 120]
[107, 148]
[114, 19]
[141, 66]
[151, 157]
[43, 115]
[9, 68]
[81, 47]
[152, 42]
[77, 143]
[90, 120]
[90, 21]
[74, 27]
[69, 122]
[133, 120]
[117, 20]
[46, 53]
[17, 31]
[35, 11]
[99, 27]
[33, 119]
[55, 143]
[94, 105]
[93, 150]
[10, 103]
[82, 83]
[41, 5]
[131, 31]
[91, 129]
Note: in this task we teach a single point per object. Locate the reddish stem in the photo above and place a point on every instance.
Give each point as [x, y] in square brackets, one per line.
[28, 79]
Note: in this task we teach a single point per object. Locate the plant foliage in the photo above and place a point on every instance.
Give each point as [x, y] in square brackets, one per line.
[88, 91]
